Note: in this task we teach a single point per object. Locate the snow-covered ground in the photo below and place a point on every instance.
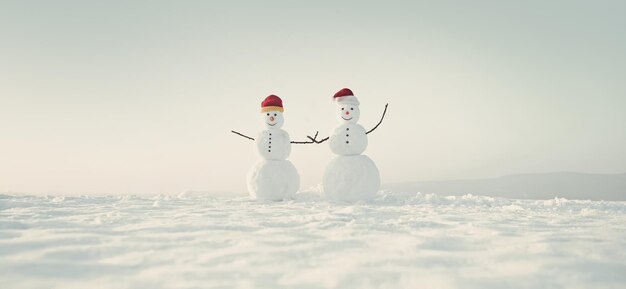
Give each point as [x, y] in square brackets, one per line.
[399, 240]
[575, 186]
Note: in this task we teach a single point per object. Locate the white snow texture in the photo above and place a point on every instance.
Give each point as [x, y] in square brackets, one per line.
[398, 240]
[348, 139]
[351, 178]
[273, 144]
[273, 180]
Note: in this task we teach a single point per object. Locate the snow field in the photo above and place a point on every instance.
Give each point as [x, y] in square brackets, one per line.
[398, 240]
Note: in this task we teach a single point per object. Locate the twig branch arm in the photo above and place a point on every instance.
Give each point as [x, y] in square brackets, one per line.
[381, 120]
[307, 142]
[243, 135]
[314, 139]
[320, 141]
[302, 142]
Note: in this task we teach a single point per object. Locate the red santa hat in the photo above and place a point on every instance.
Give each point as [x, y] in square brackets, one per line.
[271, 103]
[345, 96]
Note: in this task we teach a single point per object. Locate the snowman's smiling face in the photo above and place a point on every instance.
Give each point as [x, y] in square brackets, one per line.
[348, 113]
[273, 119]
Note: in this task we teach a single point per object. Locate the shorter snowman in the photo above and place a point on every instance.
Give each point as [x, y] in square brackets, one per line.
[350, 176]
[273, 177]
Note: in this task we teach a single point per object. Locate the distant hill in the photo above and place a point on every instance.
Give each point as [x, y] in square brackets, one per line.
[580, 186]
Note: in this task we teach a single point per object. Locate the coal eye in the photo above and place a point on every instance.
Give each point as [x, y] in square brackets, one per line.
[352, 108]
[274, 114]
[268, 114]
[342, 108]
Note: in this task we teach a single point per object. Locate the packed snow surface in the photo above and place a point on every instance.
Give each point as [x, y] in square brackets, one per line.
[273, 180]
[394, 241]
[351, 178]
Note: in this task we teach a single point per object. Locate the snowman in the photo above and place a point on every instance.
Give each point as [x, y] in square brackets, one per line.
[350, 176]
[273, 177]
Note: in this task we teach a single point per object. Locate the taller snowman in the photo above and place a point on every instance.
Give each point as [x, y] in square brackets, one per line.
[351, 176]
[273, 177]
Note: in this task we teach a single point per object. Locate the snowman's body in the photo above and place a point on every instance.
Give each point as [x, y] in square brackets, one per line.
[350, 176]
[348, 139]
[273, 180]
[273, 144]
[274, 177]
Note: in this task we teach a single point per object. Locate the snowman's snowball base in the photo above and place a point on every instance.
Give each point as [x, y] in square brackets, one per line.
[273, 180]
[351, 178]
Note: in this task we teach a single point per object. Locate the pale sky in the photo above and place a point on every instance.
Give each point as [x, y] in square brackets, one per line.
[115, 97]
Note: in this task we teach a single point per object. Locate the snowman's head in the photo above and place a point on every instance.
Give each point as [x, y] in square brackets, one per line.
[272, 112]
[273, 119]
[348, 113]
[347, 106]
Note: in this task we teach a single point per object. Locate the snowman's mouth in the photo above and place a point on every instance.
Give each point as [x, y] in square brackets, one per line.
[270, 124]
[346, 118]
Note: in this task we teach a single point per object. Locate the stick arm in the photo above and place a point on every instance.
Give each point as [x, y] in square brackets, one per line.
[316, 141]
[379, 122]
[307, 142]
[243, 135]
